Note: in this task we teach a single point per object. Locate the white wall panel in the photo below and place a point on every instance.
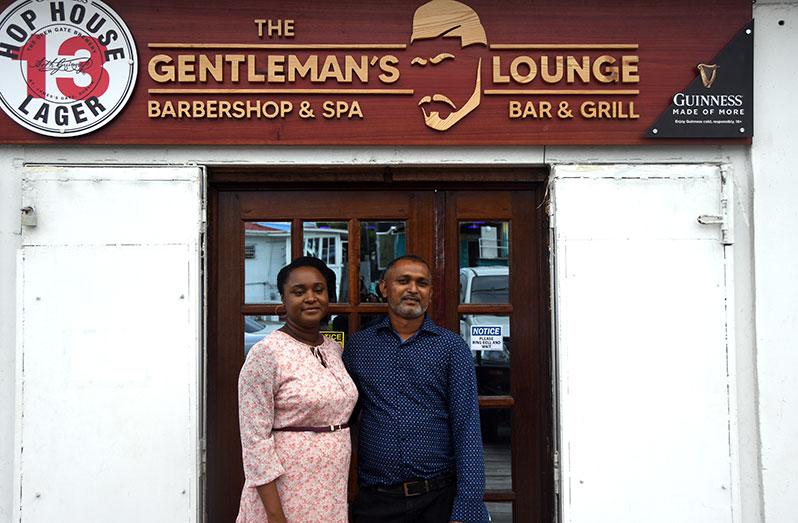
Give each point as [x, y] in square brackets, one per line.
[644, 389]
[109, 347]
[775, 157]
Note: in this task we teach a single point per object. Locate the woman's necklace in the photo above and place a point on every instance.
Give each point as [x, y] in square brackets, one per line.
[314, 349]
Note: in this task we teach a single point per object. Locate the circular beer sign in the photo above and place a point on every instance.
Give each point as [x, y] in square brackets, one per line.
[67, 67]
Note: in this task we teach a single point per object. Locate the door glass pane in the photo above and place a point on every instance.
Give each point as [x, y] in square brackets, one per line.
[338, 328]
[329, 241]
[500, 512]
[258, 327]
[380, 242]
[484, 269]
[267, 249]
[496, 440]
[488, 337]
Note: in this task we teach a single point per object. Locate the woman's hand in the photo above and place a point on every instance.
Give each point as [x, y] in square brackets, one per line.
[271, 501]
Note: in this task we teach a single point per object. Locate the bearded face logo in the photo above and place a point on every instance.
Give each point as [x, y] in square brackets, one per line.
[437, 20]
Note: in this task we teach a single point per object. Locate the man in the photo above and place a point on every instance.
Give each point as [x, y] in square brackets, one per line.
[419, 448]
[447, 19]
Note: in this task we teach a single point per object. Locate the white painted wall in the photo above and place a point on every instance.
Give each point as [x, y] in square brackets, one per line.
[775, 162]
[737, 156]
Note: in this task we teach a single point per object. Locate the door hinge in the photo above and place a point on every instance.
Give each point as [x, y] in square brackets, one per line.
[725, 218]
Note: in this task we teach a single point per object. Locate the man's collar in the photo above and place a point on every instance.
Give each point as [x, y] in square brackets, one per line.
[428, 325]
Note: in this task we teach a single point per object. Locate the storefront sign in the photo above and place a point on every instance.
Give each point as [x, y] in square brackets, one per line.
[720, 102]
[67, 67]
[440, 72]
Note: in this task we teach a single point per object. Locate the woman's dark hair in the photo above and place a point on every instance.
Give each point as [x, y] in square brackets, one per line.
[308, 261]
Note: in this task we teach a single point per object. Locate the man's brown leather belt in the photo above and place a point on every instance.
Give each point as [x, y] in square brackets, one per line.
[326, 428]
[417, 487]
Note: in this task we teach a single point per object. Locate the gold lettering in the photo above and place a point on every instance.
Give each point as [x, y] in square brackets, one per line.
[271, 109]
[280, 28]
[609, 110]
[153, 109]
[276, 66]
[361, 69]
[252, 75]
[164, 73]
[572, 66]
[185, 68]
[543, 110]
[183, 109]
[331, 69]
[608, 74]
[390, 73]
[523, 61]
[211, 107]
[235, 61]
[545, 72]
[295, 66]
[224, 109]
[629, 69]
[168, 110]
[274, 26]
[253, 108]
[498, 77]
[215, 69]
[260, 22]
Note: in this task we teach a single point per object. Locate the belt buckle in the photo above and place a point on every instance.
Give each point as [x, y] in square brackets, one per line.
[411, 494]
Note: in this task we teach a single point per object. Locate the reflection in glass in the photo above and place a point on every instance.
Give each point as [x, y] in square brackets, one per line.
[488, 337]
[496, 440]
[329, 242]
[484, 270]
[267, 249]
[258, 327]
[339, 323]
[500, 512]
[484, 244]
[380, 242]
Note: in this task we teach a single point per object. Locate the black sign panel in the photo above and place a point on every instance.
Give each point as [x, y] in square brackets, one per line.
[720, 101]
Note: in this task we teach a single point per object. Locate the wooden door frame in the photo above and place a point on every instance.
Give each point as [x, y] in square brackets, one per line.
[534, 389]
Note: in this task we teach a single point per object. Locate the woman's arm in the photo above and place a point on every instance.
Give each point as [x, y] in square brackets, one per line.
[271, 500]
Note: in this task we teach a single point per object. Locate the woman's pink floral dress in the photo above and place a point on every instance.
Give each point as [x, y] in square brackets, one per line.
[282, 384]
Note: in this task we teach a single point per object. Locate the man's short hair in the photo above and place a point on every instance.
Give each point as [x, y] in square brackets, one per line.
[448, 19]
[406, 257]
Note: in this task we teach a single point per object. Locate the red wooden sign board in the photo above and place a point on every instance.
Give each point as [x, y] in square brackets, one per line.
[479, 72]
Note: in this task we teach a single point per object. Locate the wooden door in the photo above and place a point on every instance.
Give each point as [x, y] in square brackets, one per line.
[476, 236]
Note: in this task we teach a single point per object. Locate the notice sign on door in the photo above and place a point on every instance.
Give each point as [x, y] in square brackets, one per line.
[486, 337]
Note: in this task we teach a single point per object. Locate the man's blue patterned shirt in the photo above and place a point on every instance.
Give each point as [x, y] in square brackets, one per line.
[420, 414]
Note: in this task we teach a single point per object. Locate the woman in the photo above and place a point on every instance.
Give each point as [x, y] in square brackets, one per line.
[294, 400]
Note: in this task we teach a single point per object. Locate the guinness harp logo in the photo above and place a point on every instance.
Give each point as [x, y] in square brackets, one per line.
[708, 73]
